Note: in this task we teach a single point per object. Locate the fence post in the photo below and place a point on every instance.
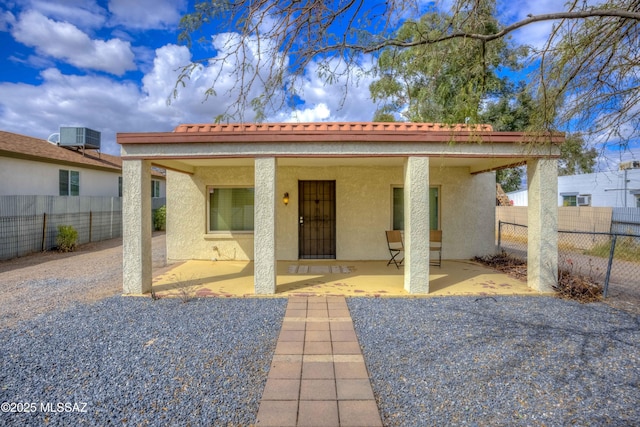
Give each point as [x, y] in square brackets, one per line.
[44, 231]
[111, 220]
[19, 221]
[611, 252]
[499, 236]
[90, 225]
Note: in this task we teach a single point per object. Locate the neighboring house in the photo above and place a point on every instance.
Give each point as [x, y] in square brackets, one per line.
[44, 185]
[35, 167]
[270, 192]
[617, 189]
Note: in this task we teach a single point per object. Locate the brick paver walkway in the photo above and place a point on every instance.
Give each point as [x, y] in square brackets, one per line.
[318, 376]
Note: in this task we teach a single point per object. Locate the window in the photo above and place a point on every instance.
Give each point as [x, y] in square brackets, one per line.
[230, 209]
[155, 188]
[576, 199]
[638, 201]
[569, 199]
[69, 183]
[119, 186]
[398, 208]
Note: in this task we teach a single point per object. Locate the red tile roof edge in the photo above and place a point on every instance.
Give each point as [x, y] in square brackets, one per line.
[329, 127]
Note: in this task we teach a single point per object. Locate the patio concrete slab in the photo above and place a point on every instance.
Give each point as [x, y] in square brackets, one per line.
[364, 278]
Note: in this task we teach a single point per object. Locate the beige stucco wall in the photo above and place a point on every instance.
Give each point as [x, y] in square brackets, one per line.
[363, 207]
[187, 196]
[467, 212]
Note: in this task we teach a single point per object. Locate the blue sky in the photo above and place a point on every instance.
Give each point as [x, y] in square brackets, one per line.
[111, 65]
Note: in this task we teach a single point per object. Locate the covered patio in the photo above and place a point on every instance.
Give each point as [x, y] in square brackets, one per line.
[272, 196]
[327, 278]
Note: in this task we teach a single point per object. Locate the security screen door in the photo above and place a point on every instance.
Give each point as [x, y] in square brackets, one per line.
[317, 219]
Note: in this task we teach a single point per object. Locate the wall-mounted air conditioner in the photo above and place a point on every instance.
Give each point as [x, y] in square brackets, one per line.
[583, 200]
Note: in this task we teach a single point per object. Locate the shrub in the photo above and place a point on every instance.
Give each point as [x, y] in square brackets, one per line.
[160, 218]
[67, 238]
[577, 287]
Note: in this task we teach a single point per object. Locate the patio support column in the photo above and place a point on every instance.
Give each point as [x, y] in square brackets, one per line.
[542, 249]
[416, 225]
[265, 263]
[136, 226]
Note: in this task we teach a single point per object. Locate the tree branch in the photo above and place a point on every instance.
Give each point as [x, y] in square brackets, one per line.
[619, 13]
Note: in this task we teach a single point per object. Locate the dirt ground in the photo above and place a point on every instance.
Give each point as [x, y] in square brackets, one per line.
[623, 294]
[43, 282]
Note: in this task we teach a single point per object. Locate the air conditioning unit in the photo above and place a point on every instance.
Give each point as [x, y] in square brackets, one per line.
[633, 164]
[77, 137]
[583, 200]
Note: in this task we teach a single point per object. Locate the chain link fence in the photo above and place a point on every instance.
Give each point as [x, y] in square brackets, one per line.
[30, 223]
[610, 258]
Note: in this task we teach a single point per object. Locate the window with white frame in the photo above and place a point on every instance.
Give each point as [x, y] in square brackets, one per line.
[398, 208]
[155, 188]
[69, 182]
[231, 209]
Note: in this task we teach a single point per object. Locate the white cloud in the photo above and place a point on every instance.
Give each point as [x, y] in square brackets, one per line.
[86, 14]
[234, 89]
[346, 98]
[7, 20]
[535, 34]
[101, 103]
[191, 102]
[95, 102]
[318, 113]
[111, 106]
[66, 42]
[147, 14]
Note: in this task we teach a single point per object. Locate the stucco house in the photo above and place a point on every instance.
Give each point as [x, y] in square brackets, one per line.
[34, 167]
[290, 191]
[44, 185]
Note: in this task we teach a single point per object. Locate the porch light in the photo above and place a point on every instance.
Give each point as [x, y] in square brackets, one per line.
[285, 199]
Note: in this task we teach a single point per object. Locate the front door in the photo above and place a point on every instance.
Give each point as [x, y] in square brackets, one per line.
[317, 219]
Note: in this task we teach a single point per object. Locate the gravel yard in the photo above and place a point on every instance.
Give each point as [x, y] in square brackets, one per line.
[67, 336]
[529, 361]
[135, 361]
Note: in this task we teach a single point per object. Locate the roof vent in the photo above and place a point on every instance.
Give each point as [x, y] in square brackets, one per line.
[75, 137]
[54, 138]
